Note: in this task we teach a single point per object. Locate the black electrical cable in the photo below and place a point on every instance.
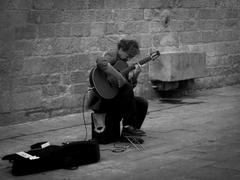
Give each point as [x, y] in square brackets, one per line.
[116, 149]
[83, 115]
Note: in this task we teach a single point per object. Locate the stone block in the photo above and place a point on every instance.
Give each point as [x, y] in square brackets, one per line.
[80, 30]
[62, 4]
[62, 102]
[45, 16]
[18, 5]
[190, 37]
[5, 101]
[231, 13]
[78, 77]
[97, 29]
[5, 65]
[96, 4]
[30, 80]
[17, 60]
[211, 14]
[224, 48]
[156, 26]
[62, 45]
[227, 35]
[65, 78]
[208, 24]
[13, 118]
[63, 30]
[76, 45]
[33, 116]
[188, 25]
[182, 14]
[26, 32]
[32, 65]
[53, 65]
[5, 82]
[108, 42]
[24, 46]
[7, 34]
[165, 39]
[43, 4]
[3, 4]
[42, 47]
[197, 3]
[156, 14]
[89, 44]
[77, 16]
[178, 66]
[228, 3]
[209, 36]
[70, 4]
[51, 103]
[153, 4]
[145, 41]
[54, 78]
[116, 4]
[38, 80]
[80, 61]
[133, 4]
[53, 90]
[111, 28]
[73, 101]
[231, 24]
[46, 31]
[136, 27]
[26, 100]
[104, 15]
[79, 88]
[128, 15]
[13, 18]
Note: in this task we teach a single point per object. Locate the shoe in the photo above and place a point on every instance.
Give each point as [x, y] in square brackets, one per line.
[141, 131]
[131, 131]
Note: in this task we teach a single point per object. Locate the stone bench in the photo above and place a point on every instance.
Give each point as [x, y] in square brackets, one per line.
[169, 69]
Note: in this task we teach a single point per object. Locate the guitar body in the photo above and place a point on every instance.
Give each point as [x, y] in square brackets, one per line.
[101, 84]
[98, 79]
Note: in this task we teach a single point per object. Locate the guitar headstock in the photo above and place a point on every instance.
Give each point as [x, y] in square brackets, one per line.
[155, 55]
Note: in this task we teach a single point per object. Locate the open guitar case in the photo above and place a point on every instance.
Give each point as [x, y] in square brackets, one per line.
[44, 157]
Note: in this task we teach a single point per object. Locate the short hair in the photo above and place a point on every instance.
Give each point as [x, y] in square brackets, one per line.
[131, 47]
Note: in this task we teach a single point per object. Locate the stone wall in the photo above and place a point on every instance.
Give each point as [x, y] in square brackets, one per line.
[47, 47]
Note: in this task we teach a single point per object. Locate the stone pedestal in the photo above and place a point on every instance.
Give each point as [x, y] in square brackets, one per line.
[171, 68]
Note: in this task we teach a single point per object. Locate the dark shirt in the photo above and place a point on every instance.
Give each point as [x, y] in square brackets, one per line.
[112, 58]
[94, 100]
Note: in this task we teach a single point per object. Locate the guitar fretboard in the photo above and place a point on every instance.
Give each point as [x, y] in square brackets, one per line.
[132, 67]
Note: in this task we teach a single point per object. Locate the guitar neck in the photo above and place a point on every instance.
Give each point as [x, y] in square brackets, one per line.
[132, 67]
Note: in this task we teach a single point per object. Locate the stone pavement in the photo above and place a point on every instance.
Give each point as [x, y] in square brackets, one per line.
[196, 137]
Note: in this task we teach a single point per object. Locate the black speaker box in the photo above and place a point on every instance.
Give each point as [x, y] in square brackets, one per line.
[111, 132]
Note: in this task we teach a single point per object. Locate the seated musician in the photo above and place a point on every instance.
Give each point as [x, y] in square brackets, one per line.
[125, 105]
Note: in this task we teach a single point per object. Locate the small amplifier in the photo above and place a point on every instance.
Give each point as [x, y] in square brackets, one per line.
[104, 129]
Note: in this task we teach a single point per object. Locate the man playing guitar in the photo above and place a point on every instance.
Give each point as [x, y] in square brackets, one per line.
[125, 105]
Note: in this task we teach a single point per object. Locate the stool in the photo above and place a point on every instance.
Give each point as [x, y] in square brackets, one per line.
[104, 129]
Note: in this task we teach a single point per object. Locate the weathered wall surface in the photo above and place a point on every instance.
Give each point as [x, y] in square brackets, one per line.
[48, 46]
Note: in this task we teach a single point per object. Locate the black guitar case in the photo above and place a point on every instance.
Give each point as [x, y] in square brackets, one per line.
[69, 156]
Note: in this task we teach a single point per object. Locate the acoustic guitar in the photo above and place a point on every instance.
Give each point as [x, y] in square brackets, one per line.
[99, 79]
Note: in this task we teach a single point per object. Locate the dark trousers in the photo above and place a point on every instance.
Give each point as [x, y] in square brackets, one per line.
[132, 109]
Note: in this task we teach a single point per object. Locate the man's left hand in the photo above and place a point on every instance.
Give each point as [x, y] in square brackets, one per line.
[135, 72]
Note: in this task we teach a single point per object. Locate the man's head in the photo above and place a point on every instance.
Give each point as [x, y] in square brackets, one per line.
[128, 48]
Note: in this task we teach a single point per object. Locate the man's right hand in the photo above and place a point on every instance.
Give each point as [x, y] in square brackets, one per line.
[112, 81]
[116, 81]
